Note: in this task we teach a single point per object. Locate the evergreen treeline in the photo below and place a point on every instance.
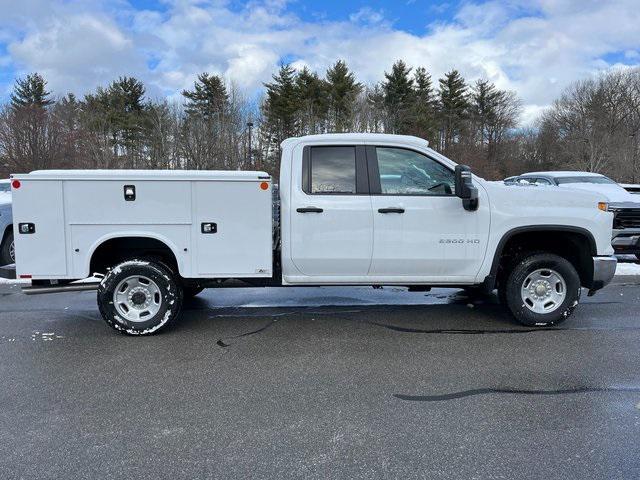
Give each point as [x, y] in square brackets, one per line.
[594, 126]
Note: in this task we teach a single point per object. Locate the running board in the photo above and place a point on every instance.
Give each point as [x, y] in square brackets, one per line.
[69, 287]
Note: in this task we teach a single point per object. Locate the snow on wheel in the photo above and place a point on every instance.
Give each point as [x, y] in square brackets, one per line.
[139, 297]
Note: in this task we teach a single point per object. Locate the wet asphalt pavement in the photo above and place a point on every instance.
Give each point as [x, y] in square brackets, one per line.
[320, 383]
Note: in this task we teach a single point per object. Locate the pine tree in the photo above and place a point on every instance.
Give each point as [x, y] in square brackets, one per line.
[492, 112]
[453, 107]
[343, 90]
[398, 97]
[30, 91]
[127, 93]
[280, 110]
[208, 98]
[423, 113]
[119, 111]
[483, 108]
[312, 93]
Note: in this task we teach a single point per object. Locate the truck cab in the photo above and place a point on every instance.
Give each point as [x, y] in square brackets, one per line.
[376, 209]
[353, 209]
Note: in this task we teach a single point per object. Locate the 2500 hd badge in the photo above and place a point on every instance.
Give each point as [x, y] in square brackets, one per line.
[459, 240]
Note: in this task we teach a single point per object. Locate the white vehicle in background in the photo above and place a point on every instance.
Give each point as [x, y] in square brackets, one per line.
[623, 203]
[355, 209]
[7, 249]
[5, 189]
[631, 188]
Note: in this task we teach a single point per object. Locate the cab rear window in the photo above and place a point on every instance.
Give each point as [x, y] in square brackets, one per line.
[333, 170]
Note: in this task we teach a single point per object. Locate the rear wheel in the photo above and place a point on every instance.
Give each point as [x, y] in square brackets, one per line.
[542, 289]
[139, 297]
[7, 250]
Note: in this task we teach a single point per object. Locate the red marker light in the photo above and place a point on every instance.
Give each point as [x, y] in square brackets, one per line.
[264, 186]
[16, 184]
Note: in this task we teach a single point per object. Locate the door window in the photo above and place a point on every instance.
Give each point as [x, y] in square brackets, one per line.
[405, 172]
[333, 170]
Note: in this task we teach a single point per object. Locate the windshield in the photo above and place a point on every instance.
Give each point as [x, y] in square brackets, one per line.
[594, 179]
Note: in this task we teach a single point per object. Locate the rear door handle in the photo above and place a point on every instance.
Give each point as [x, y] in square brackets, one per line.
[391, 210]
[309, 210]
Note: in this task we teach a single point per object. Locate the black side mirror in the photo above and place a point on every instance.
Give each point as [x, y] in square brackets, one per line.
[465, 188]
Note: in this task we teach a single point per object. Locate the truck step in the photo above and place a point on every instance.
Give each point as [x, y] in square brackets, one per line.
[69, 287]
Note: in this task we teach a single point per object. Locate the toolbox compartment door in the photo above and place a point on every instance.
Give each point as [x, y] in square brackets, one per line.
[232, 229]
[40, 203]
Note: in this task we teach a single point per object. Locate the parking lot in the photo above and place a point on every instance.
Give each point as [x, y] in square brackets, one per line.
[321, 383]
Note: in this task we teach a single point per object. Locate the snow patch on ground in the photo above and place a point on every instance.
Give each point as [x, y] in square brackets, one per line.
[628, 269]
[4, 281]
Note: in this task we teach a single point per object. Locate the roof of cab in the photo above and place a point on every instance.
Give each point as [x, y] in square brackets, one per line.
[358, 138]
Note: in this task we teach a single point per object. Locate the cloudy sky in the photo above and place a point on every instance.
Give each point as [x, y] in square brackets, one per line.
[535, 47]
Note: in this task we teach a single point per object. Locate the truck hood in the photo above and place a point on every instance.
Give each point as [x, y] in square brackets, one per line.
[546, 194]
[612, 193]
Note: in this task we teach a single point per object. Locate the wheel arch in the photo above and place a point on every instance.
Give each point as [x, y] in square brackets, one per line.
[115, 247]
[525, 236]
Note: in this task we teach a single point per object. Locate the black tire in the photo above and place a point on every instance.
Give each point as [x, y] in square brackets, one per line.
[190, 292]
[519, 273]
[6, 248]
[169, 300]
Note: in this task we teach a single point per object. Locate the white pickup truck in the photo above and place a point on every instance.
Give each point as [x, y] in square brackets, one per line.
[354, 209]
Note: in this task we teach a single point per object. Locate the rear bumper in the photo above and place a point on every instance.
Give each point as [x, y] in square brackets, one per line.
[604, 268]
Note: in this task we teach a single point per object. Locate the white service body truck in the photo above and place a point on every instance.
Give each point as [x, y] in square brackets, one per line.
[353, 209]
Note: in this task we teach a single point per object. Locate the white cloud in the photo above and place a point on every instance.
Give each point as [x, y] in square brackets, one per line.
[534, 47]
[367, 15]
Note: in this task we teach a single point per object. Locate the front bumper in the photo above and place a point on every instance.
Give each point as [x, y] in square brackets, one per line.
[626, 242]
[604, 268]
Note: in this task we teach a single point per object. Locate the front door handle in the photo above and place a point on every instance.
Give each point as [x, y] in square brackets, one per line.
[309, 210]
[391, 210]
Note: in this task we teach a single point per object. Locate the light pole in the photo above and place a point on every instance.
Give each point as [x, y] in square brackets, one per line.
[250, 127]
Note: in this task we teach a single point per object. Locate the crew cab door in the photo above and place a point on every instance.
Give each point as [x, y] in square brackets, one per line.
[331, 218]
[420, 227]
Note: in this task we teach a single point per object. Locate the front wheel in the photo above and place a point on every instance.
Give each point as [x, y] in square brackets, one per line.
[542, 289]
[139, 297]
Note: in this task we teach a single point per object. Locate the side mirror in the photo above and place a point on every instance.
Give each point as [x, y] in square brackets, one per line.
[465, 188]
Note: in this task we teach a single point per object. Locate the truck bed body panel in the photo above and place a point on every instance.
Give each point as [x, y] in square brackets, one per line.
[105, 204]
[242, 245]
[42, 253]
[77, 211]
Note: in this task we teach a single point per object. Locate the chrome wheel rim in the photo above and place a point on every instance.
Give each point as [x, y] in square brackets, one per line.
[12, 252]
[543, 291]
[137, 298]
